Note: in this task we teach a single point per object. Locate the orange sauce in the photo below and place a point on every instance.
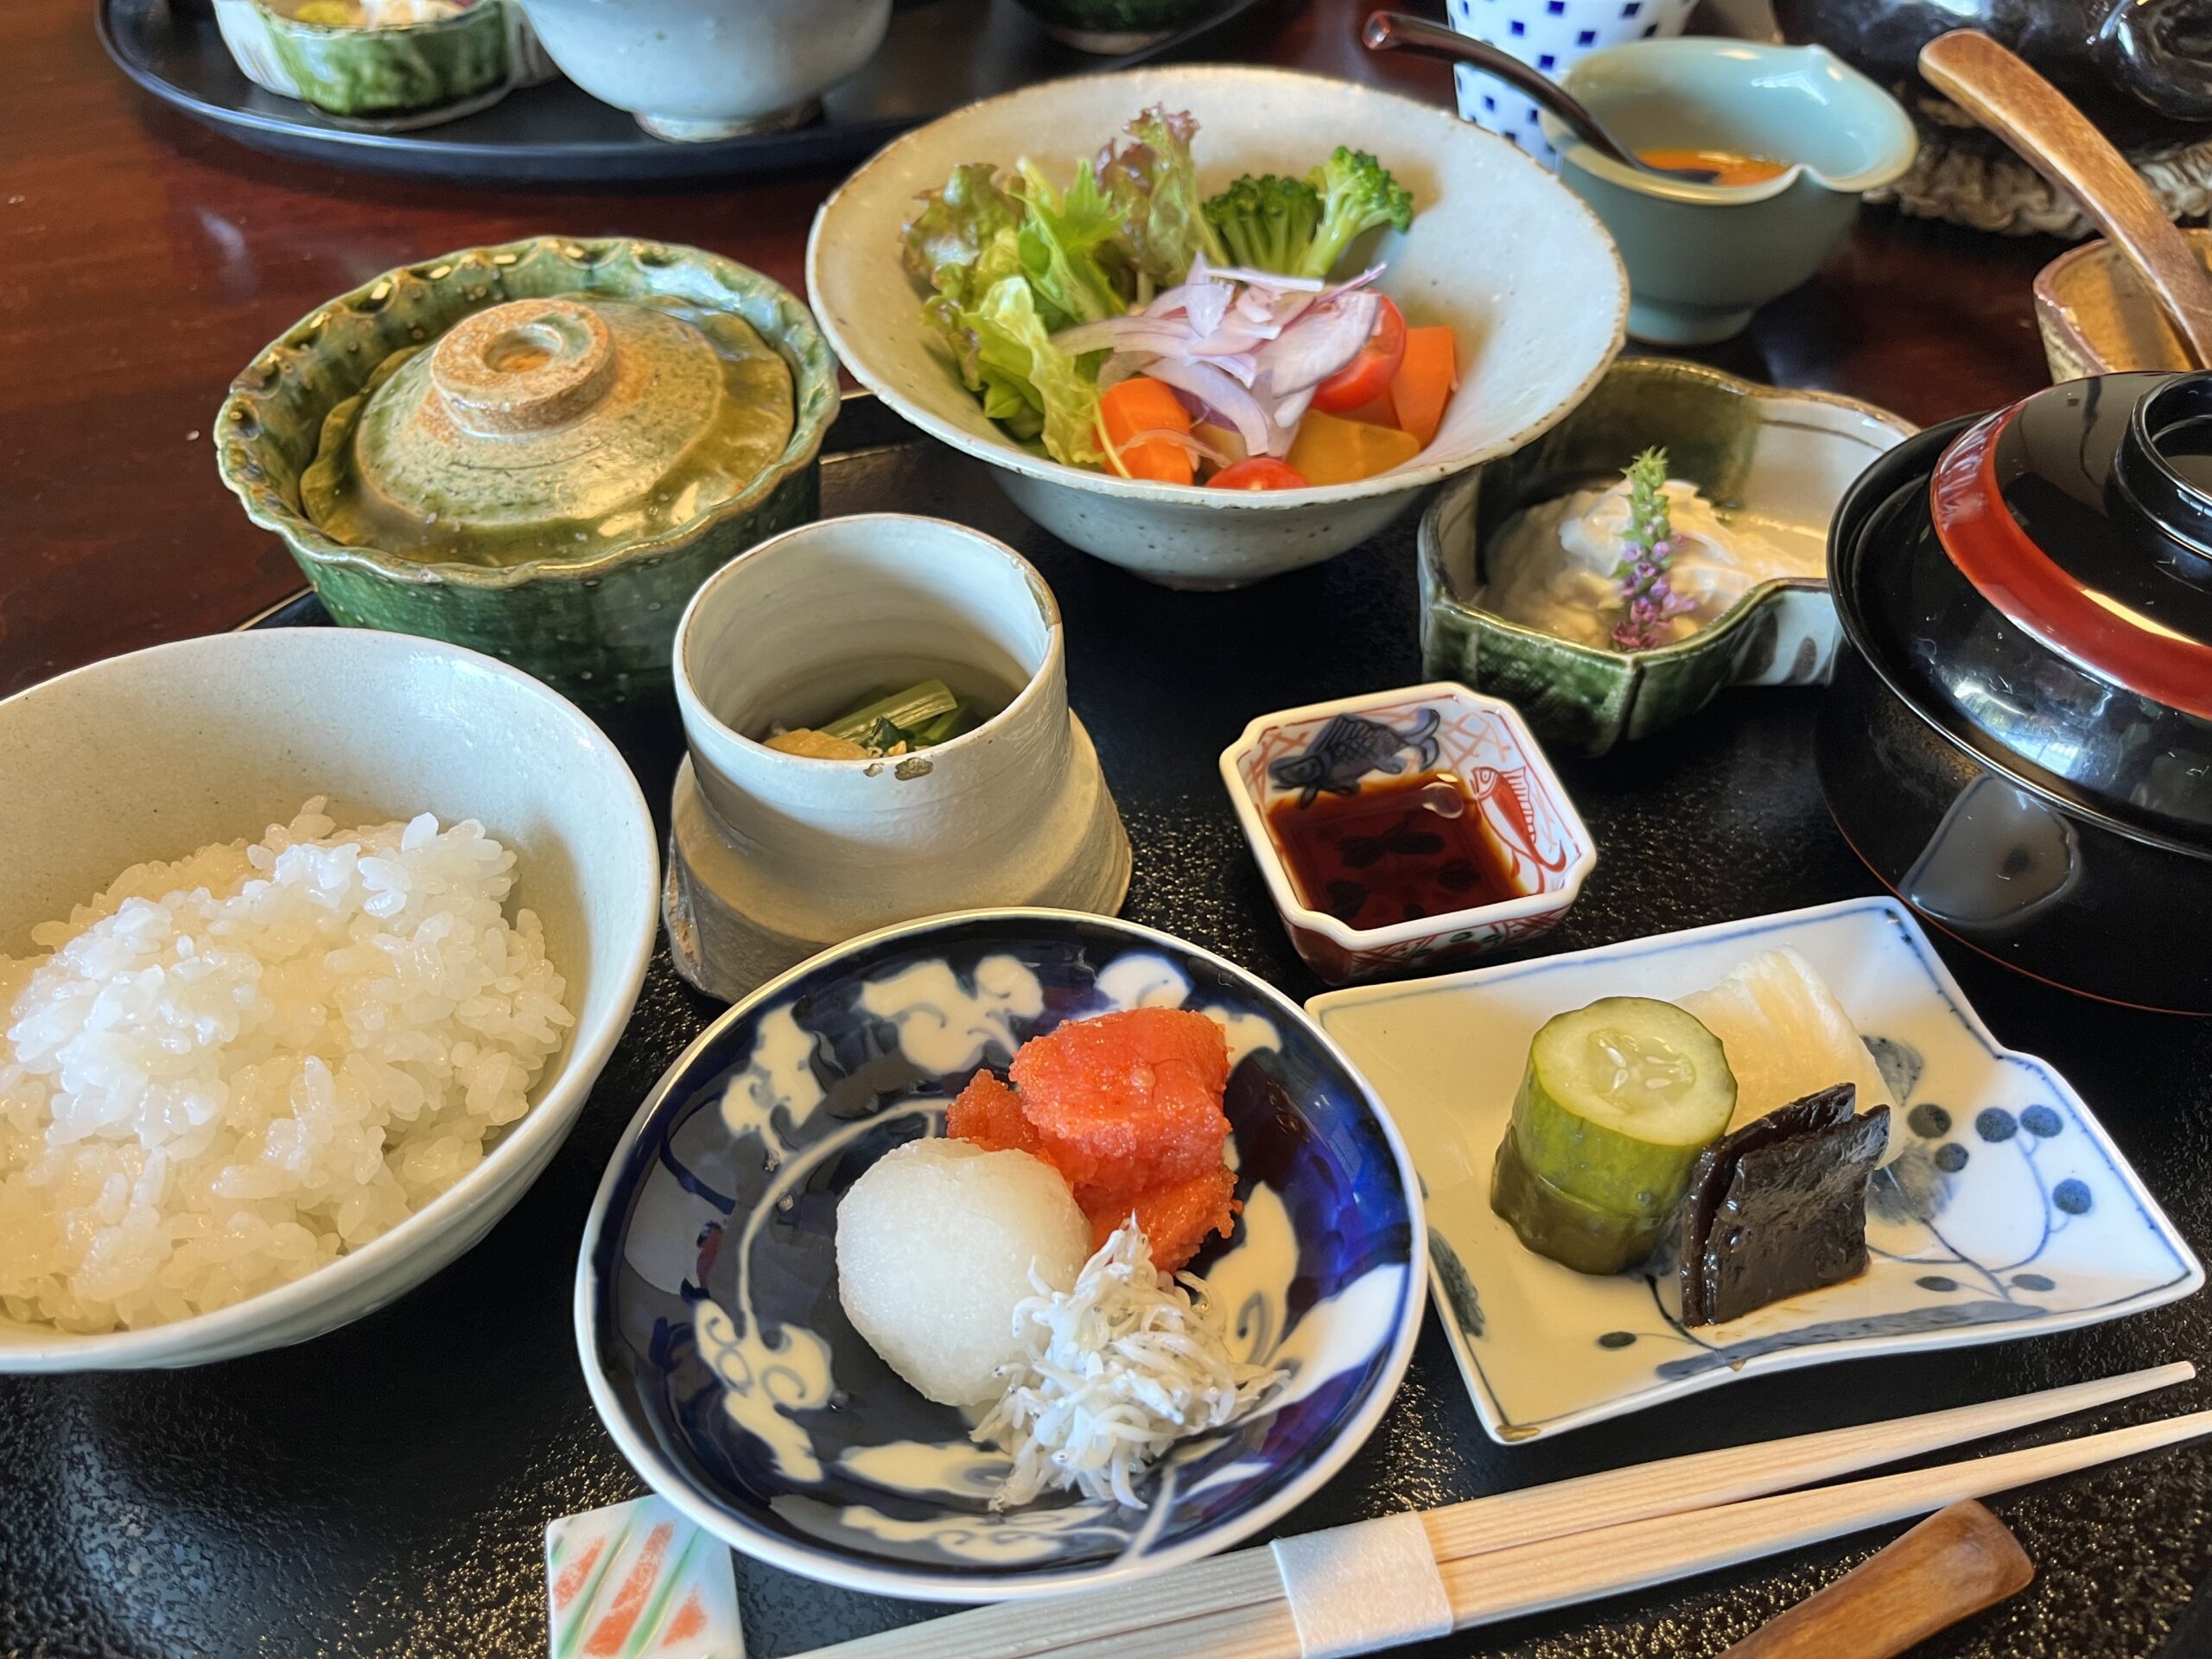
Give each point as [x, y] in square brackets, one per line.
[1727, 166]
[1398, 850]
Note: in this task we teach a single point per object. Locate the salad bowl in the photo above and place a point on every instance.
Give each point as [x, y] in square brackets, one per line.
[707, 1304]
[1537, 314]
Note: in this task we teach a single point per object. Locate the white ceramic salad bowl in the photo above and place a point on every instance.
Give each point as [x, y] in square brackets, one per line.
[1524, 273]
[152, 754]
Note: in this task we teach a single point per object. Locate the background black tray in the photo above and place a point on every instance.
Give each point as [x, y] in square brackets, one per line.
[938, 55]
[385, 1490]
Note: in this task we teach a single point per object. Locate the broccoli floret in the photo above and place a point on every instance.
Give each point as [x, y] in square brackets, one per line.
[1266, 223]
[1357, 194]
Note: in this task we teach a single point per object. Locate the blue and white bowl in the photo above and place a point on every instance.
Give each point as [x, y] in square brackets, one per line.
[707, 1306]
[1549, 34]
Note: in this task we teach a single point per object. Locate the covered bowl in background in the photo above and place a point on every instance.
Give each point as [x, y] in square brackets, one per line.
[489, 445]
[2018, 738]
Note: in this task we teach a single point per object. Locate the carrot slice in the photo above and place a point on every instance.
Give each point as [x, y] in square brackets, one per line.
[1428, 376]
[1134, 408]
[1384, 412]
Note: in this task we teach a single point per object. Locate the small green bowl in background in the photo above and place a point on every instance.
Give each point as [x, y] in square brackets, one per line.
[1700, 256]
[1785, 457]
[600, 628]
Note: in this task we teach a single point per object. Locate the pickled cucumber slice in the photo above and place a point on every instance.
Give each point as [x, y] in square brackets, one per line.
[1619, 1100]
[1563, 1227]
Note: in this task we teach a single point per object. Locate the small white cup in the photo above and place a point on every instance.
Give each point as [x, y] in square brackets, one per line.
[775, 856]
[1548, 35]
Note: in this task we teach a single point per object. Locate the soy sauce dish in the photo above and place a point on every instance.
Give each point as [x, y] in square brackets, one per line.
[713, 1327]
[2018, 739]
[1406, 827]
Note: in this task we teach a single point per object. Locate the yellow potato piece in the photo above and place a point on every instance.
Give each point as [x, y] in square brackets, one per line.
[816, 745]
[1330, 449]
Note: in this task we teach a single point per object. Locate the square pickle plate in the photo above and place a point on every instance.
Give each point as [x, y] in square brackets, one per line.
[2003, 1209]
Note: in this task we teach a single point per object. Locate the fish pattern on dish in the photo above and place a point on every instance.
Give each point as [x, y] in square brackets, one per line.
[2002, 1209]
[707, 1298]
[1539, 839]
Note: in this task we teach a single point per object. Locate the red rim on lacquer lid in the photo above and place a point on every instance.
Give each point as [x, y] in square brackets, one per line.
[2084, 515]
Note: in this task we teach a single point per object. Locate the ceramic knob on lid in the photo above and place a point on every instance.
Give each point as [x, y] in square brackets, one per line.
[550, 427]
[2047, 596]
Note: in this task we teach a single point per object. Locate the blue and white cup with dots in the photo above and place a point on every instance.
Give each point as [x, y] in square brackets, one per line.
[1548, 35]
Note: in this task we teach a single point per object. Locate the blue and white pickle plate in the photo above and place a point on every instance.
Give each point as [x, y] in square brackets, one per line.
[2002, 1210]
[707, 1306]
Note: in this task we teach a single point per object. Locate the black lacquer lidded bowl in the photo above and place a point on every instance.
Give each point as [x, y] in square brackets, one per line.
[2019, 742]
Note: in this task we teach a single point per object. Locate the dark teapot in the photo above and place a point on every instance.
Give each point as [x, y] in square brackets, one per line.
[2140, 69]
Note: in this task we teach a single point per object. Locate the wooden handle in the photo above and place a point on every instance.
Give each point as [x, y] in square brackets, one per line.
[1954, 1564]
[2052, 135]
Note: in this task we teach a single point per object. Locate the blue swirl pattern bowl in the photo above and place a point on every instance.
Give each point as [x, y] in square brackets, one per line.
[707, 1308]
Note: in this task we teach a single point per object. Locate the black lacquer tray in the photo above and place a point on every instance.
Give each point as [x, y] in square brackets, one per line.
[938, 55]
[385, 1490]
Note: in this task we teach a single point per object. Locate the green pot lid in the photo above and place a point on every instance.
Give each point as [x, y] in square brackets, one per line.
[551, 425]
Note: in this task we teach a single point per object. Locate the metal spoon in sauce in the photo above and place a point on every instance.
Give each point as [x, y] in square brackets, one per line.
[1388, 30]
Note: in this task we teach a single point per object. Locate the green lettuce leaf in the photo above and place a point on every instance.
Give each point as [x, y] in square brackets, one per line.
[1152, 183]
[1016, 359]
[1066, 243]
[951, 229]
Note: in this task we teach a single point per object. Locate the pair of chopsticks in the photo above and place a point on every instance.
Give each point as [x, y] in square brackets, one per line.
[1574, 1541]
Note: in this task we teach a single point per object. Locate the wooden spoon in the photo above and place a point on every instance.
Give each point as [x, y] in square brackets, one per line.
[1954, 1564]
[2054, 138]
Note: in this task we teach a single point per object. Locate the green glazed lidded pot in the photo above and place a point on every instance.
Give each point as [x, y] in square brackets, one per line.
[552, 427]
[538, 450]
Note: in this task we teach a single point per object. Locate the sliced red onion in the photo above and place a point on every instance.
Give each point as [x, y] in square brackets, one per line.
[1229, 341]
[1292, 410]
[1270, 279]
[1243, 365]
[1203, 303]
[1358, 281]
[1208, 304]
[1225, 396]
[1196, 447]
[1122, 365]
[1134, 333]
[1320, 343]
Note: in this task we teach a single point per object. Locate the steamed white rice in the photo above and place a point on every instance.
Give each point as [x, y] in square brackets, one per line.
[233, 1068]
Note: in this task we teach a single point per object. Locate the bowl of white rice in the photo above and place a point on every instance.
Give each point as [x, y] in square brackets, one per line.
[312, 944]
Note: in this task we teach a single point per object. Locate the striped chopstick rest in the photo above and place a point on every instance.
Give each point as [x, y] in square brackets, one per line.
[1235, 1607]
[637, 1579]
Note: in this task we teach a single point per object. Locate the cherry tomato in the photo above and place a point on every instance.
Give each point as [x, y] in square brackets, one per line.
[1368, 375]
[1258, 472]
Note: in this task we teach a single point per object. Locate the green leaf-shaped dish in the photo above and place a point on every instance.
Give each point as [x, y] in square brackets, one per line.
[1784, 456]
[599, 627]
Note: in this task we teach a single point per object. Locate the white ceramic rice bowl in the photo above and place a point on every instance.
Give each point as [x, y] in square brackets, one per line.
[153, 754]
[1500, 250]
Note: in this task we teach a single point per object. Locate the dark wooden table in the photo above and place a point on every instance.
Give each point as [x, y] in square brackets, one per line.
[381, 1490]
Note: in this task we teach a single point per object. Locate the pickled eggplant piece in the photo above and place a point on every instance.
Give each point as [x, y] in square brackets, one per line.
[1558, 1224]
[1778, 1207]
